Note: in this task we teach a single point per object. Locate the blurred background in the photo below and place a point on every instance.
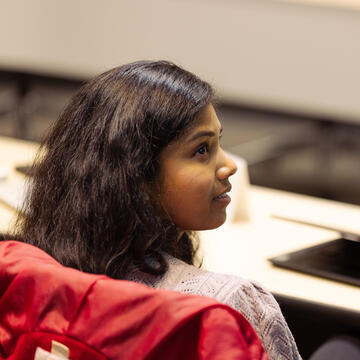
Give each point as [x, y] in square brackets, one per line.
[286, 73]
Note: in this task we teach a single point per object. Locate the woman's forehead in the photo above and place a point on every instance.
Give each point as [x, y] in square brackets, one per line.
[207, 121]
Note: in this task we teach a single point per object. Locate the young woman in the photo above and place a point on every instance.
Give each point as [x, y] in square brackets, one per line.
[131, 168]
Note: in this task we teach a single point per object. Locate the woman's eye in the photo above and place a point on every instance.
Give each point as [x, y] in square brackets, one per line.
[202, 150]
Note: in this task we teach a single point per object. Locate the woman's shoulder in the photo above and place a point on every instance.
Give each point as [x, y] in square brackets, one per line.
[246, 296]
[193, 280]
[190, 279]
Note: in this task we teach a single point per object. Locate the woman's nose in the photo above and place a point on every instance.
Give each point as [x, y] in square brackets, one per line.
[227, 166]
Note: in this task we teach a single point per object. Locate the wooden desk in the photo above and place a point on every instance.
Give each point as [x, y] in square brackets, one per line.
[242, 248]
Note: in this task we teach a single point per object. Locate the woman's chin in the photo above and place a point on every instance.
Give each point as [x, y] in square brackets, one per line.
[216, 223]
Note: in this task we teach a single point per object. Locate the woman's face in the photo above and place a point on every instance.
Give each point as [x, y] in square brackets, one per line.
[194, 176]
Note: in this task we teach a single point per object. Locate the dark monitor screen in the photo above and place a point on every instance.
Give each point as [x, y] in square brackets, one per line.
[337, 260]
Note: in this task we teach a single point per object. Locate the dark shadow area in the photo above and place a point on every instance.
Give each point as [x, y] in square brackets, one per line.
[313, 324]
[29, 103]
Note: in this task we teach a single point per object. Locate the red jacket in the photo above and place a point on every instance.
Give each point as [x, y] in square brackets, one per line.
[101, 318]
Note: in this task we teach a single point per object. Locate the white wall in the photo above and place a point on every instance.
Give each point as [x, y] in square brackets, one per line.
[284, 55]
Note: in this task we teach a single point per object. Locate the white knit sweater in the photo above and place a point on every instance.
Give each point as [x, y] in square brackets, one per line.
[249, 298]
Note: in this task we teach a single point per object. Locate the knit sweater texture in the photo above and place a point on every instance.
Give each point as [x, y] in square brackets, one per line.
[257, 305]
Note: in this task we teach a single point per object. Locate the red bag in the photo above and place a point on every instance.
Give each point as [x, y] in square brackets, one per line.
[43, 303]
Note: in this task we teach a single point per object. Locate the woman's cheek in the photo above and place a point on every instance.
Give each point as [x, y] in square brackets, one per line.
[201, 185]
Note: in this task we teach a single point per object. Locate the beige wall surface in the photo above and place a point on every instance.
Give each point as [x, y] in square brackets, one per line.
[279, 54]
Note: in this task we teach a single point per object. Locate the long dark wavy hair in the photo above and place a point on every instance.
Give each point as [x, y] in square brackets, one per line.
[89, 205]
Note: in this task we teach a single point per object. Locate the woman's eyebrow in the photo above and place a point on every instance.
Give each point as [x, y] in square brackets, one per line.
[207, 133]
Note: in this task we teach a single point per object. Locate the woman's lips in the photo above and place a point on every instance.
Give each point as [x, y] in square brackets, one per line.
[223, 199]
